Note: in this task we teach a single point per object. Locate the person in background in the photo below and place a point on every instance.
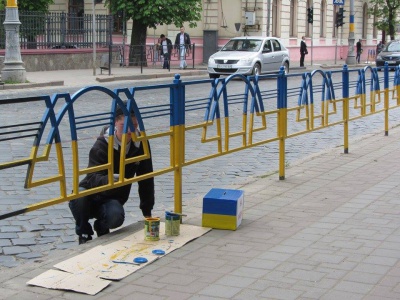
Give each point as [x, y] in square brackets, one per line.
[359, 51]
[303, 50]
[379, 47]
[157, 52]
[166, 49]
[107, 206]
[182, 44]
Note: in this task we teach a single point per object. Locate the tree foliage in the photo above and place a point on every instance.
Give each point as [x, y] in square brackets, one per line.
[386, 12]
[145, 13]
[30, 5]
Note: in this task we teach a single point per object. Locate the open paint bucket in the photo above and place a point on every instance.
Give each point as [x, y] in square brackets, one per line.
[172, 223]
[152, 229]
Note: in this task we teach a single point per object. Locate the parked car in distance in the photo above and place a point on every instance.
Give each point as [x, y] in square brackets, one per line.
[249, 55]
[390, 54]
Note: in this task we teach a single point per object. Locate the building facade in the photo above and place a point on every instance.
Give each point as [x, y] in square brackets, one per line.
[286, 19]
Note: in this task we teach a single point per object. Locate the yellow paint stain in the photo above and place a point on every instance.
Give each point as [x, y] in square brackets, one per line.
[125, 253]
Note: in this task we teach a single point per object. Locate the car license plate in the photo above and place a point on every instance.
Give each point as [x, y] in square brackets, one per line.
[391, 62]
[224, 66]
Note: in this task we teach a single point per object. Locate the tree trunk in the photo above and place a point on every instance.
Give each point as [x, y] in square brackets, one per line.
[391, 26]
[137, 53]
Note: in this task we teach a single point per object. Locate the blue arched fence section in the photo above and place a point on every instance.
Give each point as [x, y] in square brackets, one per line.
[323, 99]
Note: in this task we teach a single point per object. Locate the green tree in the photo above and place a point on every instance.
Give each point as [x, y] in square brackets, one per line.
[386, 12]
[145, 13]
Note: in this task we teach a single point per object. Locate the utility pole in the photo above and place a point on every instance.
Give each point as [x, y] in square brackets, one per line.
[268, 16]
[351, 58]
[310, 20]
[13, 66]
[94, 36]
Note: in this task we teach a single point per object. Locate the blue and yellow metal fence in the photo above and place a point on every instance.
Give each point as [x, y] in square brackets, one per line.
[268, 110]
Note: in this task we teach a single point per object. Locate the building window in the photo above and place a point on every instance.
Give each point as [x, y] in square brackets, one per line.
[76, 11]
[322, 23]
[118, 18]
[293, 18]
[118, 22]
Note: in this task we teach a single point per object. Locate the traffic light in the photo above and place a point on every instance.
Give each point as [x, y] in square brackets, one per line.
[340, 17]
[310, 14]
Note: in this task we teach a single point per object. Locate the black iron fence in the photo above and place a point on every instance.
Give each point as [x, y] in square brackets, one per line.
[144, 56]
[60, 30]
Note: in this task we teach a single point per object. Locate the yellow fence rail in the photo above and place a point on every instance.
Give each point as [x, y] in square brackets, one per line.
[267, 110]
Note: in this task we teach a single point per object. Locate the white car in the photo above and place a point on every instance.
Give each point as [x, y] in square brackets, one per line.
[249, 55]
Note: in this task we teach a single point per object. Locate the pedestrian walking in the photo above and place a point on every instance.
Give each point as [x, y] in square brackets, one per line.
[166, 49]
[182, 44]
[107, 206]
[303, 50]
[379, 47]
[359, 51]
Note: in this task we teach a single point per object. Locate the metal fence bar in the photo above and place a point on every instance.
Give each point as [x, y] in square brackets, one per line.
[145, 56]
[315, 104]
[60, 30]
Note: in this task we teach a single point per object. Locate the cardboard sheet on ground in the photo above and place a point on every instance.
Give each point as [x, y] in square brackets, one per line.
[82, 283]
[114, 261]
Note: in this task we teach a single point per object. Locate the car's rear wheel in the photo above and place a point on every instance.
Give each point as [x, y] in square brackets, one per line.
[286, 67]
[256, 69]
[214, 76]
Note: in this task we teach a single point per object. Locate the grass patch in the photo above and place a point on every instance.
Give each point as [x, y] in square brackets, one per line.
[14, 82]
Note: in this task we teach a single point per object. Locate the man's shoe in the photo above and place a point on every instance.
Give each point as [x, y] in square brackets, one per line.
[84, 238]
[100, 231]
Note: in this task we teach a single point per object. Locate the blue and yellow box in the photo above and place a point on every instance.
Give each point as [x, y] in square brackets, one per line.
[223, 209]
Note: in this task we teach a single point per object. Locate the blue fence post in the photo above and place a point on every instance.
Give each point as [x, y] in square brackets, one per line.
[177, 120]
[193, 54]
[386, 97]
[345, 96]
[142, 48]
[282, 119]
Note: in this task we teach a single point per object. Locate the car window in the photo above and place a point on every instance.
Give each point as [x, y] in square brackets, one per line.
[242, 45]
[267, 46]
[393, 47]
[277, 45]
[230, 46]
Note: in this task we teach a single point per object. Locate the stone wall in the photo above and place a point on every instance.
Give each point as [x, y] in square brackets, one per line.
[60, 59]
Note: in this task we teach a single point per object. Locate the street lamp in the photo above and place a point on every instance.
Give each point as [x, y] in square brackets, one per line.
[13, 66]
[351, 58]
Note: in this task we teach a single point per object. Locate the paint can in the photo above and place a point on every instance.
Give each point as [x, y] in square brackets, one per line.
[152, 229]
[172, 223]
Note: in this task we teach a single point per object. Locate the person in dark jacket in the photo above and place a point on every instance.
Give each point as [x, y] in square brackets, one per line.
[359, 51]
[166, 49]
[303, 50]
[182, 44]
[107, 206]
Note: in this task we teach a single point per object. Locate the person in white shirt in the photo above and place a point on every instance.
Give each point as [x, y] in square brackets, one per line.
[182, 44]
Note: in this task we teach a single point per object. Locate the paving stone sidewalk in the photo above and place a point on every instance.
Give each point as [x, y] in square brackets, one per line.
[330, 230]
